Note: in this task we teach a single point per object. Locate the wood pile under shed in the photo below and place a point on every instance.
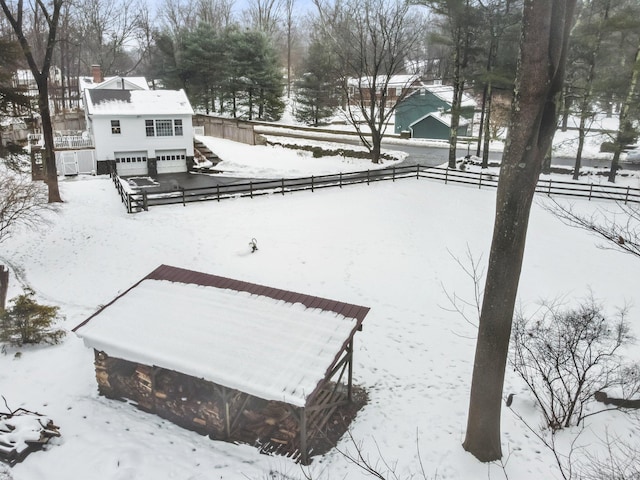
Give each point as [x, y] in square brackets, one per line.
[210, 369]
[228, 414]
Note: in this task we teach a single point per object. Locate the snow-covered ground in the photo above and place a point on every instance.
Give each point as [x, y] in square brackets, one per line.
[389, 246]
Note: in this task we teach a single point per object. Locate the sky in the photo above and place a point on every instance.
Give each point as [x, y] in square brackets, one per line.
[395, 247]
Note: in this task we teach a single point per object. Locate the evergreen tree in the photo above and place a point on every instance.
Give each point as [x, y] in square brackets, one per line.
[29, 322]
[317, 91]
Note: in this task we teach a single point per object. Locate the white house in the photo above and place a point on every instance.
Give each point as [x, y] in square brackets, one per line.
[141, 132]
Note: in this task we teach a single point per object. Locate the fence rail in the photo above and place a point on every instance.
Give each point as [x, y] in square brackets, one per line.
[136, 201]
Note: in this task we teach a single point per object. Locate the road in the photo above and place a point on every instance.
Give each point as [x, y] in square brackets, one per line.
[433, 156]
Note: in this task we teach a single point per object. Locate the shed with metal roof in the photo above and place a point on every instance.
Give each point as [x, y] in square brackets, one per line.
[235, 360]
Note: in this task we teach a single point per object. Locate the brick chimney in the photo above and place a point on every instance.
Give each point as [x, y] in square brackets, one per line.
[96, 73]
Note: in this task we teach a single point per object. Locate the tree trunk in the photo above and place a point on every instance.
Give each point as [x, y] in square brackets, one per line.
[4, 287]
[624, 116]
[545, 32]
[48, 154]
[487, 128]
[458, 86]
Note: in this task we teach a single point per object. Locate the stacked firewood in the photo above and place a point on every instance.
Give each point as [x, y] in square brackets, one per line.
[200, 405]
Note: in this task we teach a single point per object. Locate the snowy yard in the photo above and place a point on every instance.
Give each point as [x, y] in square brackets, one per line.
[389, 246]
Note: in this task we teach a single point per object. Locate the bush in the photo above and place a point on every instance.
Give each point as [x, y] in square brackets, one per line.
[566, 355]
[29, 322]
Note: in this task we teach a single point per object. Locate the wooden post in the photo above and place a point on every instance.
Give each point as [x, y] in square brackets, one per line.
[480, 181]
[312, 183]
[340, 179]
[368, 172]
[4, 286]
[418, 172]
[446, 175]
[304, 452]
[393, 174]
[218, 191]
[626, 197]
[590, 190]
[145, 201]
[183, 202]
[250, 189]
[282, 182]
[350, 373]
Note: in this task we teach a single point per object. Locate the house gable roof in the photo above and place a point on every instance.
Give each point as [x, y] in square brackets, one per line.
[443, 118]
[444, 93]
[137, 102]
[118, 82]
[270, 343]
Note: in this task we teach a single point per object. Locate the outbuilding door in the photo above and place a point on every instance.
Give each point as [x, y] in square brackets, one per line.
[131, 163]
[171, 161]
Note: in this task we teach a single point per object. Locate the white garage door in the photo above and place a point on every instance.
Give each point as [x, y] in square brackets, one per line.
[171, 161]
[131, 163]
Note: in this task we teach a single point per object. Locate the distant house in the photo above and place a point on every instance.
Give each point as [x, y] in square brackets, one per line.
[139, 131]
[237, 361]
[397, 87]
[425, 113]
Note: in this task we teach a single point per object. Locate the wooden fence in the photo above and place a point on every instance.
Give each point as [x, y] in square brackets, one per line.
[136, 201]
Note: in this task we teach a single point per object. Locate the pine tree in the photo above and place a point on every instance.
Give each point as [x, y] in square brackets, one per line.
[317, 95]
[29, 322]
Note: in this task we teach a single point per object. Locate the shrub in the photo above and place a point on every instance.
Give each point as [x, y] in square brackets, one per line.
[29, 322]
[566, 355]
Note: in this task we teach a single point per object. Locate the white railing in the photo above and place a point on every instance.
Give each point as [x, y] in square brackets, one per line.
[68, 142]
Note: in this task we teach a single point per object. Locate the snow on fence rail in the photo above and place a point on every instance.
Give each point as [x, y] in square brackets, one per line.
[136, 201]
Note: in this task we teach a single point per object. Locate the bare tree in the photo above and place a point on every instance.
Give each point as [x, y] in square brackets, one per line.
[620, 228]
[108, 31]
[371, 39]
[40, 66]
[264, 15]
[545, 32]
[23, 203]
[624, 119]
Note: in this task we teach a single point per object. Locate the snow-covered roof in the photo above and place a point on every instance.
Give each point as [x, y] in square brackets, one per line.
[270, 343]
[444, 118]
[137, 102]
[117, 82]
[395, 81]
[445, 93]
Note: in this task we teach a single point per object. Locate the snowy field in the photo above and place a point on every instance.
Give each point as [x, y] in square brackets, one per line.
[389, 246]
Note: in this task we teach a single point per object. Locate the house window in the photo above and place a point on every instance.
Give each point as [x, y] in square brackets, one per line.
[164, 128]
[115, 127]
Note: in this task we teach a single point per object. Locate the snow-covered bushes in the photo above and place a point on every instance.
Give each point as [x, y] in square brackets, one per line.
[26, 321]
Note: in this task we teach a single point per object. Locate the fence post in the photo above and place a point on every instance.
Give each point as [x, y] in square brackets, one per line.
[549, 189]
[145, 204]
[626, 197]
[127, 202]
[368, 171]
[218, 191]
[480, 180]
[393, 174]
[282, 183]
[418, 172]
[312, 183]
[250, 189]
[340, 179]
[446, 175]
[184, 204]
[590, 190]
